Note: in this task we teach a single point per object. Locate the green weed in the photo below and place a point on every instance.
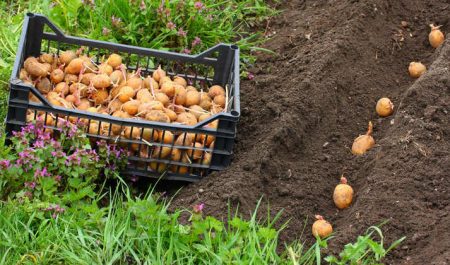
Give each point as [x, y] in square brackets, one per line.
[365, 251]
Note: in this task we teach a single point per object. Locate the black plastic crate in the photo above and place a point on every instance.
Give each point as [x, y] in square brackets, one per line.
[218, 65]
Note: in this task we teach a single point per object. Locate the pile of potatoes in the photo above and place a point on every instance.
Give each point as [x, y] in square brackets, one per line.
[72, 80]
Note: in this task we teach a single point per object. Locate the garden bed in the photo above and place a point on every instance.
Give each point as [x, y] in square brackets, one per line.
[305, 106]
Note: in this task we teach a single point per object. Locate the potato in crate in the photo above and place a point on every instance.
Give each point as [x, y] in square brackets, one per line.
[176, 114]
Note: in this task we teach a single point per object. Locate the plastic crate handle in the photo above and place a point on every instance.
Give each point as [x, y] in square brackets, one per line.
[22, 86]
[40, 97]
[45, 20]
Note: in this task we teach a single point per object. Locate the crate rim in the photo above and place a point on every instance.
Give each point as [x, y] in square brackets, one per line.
[60, 33]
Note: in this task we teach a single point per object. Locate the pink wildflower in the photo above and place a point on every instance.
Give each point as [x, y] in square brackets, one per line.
[41, 173]
[171, 25]
[5, 163]
[106, 31]
[30, 185]
[142, 6]
[199, 208]
[115, 21]
[199, 5]
[196, 41]
[181, 33]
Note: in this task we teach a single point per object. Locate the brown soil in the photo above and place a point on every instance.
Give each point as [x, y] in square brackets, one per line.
[306, 105]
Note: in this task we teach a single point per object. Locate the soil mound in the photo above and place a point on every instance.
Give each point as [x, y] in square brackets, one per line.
[300, 114]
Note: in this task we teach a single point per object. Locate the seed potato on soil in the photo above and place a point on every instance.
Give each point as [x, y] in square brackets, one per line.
[343, 194]
[295, 136]
[384, 107]
[321, 228]
[363, 142]
[436, 37]
[416, 69]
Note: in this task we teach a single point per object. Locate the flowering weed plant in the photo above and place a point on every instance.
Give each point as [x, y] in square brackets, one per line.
[60, 171]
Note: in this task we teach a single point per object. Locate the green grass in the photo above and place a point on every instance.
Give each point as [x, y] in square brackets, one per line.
[139, 231]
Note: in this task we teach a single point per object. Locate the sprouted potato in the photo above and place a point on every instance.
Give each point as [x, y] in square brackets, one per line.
[72, 80]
